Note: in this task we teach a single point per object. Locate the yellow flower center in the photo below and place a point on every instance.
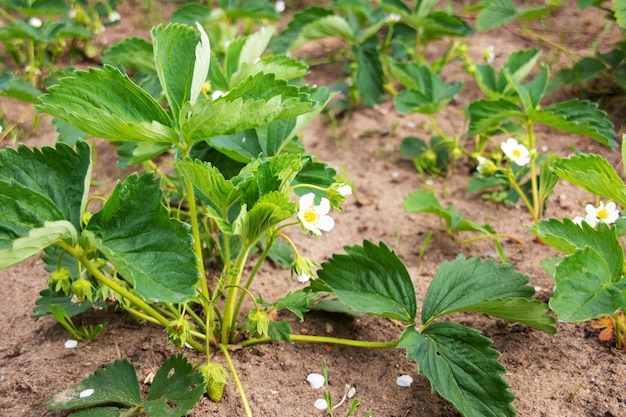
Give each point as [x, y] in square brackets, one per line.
[602, 214]
[517, 152]
[310, 216]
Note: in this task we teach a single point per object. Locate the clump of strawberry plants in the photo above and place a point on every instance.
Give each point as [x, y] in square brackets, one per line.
[236, 181]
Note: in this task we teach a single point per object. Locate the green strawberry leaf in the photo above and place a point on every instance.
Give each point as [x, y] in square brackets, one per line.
[579, 117]
[176, 388]
[587, 286]
[568, 237]
[486, 115]
[59, 174]
[18, 88]
[369, 78]
[297, 302]
[269, 210]
[484, 287]
[148, 248]
[594, 174]
[280, 331]
[117, 383]
[109, 411]
[461, 367]
[259, 100]
[135, 54]
[427, 93]
[499, 12]
[105, 103]
[309, 25]
[370, 279]
[174, 47]
[425, 201]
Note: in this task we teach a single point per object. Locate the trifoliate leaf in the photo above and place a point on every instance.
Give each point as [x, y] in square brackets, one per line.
[117, 383]
[176, 388]
[269, 210]
[371, 279]
[461, 367]
[586, 287]
[148, 248]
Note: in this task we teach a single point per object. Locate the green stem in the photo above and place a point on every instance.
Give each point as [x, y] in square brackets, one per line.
[326, 339]
[533, 176]
[233, 371]
[80, 256]
[253, 273]
[517, 188]
[229, 318]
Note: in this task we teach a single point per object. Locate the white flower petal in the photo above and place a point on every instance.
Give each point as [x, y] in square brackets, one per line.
[323, 208]
[345, 190]
[304, 277]
[306, 201]
[316, 380]
[325, 223]
[86, 393]
[320, 404]
[578, 220]
[70, 344]
[404, 381]
[35, 22]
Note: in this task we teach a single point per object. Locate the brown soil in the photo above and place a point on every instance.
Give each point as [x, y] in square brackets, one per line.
[569, 374]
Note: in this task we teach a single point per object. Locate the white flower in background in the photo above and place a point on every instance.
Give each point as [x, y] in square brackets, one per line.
[489, 54]
[578, 220]
[345, 190]
[320, 404]
[404, 381]
[280, 6]
[303, 277]
[606, 214]
[35, 22]
[86, 393]
[217, 94]
[315, 218]
[515, 151]
[316, 380]
[392, 18]
[114, 17]
[70, 344]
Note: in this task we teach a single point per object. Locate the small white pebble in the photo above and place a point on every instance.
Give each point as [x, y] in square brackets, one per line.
[351, 392]
[411, 124]
[320, 404]
[70, 344]
[188, 346]
[86, 393]
[404, 381]
[315, 380]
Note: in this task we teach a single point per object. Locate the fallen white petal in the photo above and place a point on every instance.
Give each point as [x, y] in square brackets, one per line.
[86, 393]
[320, 404]
[70, 344]
[315, 380]
[404, 381]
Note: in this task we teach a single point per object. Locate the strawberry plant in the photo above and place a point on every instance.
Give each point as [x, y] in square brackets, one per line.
[236, 181]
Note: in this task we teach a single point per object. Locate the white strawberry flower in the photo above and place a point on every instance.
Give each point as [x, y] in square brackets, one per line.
[280, 6]
[315, 218]
[606, 214]
[489, 54]
[114, 17]
[515, 151]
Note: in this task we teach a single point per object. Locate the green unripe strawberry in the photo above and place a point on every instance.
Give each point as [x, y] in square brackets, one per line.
[215, 377]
